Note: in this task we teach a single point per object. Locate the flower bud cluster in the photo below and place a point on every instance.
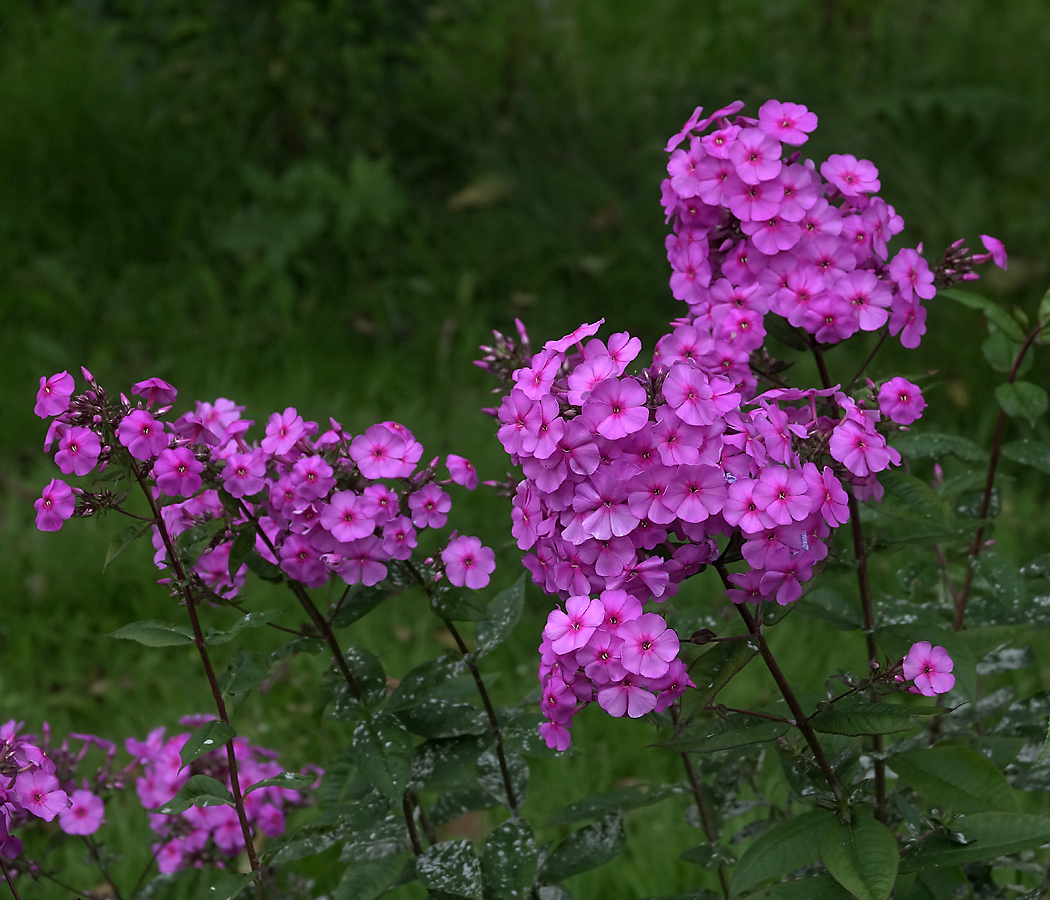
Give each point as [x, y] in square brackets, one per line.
[39, 780]
[631, 480]
[211, 834]
[320, 503]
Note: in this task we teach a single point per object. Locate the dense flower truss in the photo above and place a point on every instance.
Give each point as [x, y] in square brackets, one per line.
[209, 834]
[634, 482]
[316, 503]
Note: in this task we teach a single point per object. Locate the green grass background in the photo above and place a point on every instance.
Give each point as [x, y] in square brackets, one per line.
[330, 203]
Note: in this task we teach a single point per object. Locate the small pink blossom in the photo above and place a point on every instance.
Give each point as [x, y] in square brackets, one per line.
[468, 563]
[143, 435]
[930, 668]
[155, 390]
[53, 397]
[178, 472]
[54, 506]
[84, 815]
[901, 401]
[995, 247]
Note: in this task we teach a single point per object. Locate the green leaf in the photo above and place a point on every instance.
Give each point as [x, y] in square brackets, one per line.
[1044, 751]
[368, 672]
[245, 671]
[457, 605]
[820, 887]
[435, 718]
[383, 753]
[1029, 452]
[706, 736]
[361, 600]
[210, 736]
[447, 764]
[988, 835]
[994, 313]
[452, 867]
[709, 856]
[242, 547]
[293, 781]
[122, 541]
[711, 672]
[862, 856]
[510, 860]
[955, 775]
[1001, 352]
[1023, 400]
[155, 634]
[200, 790]
[785, 847]
[503, 613]
[585, 849]
[490, 776]
[229, 887]
[923, 445]
[249, 620]
[367, 880]
[603, 803]
[869, 718]
[419, 684]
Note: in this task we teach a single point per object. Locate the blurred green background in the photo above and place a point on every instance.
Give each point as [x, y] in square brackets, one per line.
[329, 204]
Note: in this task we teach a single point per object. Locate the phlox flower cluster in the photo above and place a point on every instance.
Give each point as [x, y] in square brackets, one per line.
[320, 502]
[37, 780]
[635, 482]
[211, 834]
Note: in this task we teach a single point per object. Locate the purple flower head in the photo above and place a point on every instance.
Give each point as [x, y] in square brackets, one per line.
[648, 645]
[155, 390]
[52, 399]
[178, 472]
[84, 815]
[462, 471]
[787, 122]
[850, 175]
[282, 431]
[901, 401]
[930, 668]
[468, 563]
[55, 505]
[995, 247]
[570, 630]
[143, 435]
[78, 450]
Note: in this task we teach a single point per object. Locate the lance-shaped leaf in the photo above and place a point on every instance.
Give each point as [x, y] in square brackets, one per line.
[215, 637]
[585, 849]
[862, 856]
[820, 887]
[785, 847]
[292, 781]
[229, 887]
[1029, 452]
[155, 634]
[930, 445]
[434, 718]
[988, 836]
[361, 600]
[383, 753]
[490, 776]
[957, 776]
[419, 684]
[122, 541]
[452, 867]
[622, 798]
[509, 860]
[367, 880]
[1023, 400]
[994, 313]
[707, 736]
[210, 736]
[200, 790]
[245, 671]
[503, 613]
[869, 718]
[713, 671]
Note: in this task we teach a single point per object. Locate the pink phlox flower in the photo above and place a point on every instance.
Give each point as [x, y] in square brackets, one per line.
[588, 375]
[84, 815]
[282, 431]
[648, 645]
[378, 453]
[681, 168]
[626, 698]
[468, 563]
[671, 685]
[461, 471]
[570, 630]
[52, 398]
[413, 450]
[219, 417]
[600, 658]
[189, 427]
[609, 557]
[429, 506]
[620, 607]
[751, 202]
[787, 122]
[755, 155]
[616, 408]
[361, 561]
[696, 492]
[313, 478]
[544, 428]
[379, 503]
[574, 337]
[995, 247]
[54, 506]
[513, 413]
[214, 568]
[783, 494]
[861, 449]
[39, 792]
[344, 517]
[78, 451]
[867, 296]
[909, 320]
[301, 561]
[535, 380]
[691, 124]
[647, 496]
[178, 472]
[912, 274]
[850, 175]
[399, 538]
[828, 495]
[744, 507]
[748, 587]
[244, 474]
[901, 401]
[143, 435]
[930, 668]
[155, 390]
[599, 510]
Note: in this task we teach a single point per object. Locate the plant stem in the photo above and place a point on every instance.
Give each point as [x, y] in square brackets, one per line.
[801, 720]
[102, 867]
[410, 822]
[10, 883]
[490, 712]
[220, 705]
[986, 500]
